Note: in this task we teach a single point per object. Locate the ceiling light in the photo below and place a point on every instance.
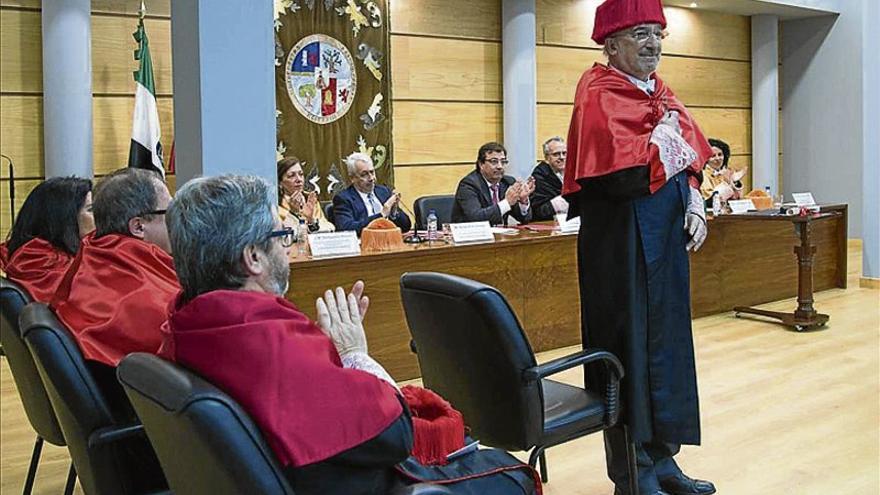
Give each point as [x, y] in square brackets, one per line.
[693, 5]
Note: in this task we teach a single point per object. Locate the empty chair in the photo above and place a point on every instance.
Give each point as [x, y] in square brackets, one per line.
[473, 352]
[109, 450]
[37, 408]
[206, 442]
[442, 206]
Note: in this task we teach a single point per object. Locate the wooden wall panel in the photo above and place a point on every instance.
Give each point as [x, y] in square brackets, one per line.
[697, 82]
[155, 8]
[113, 54]
[453, 18]
[111, 117]
[21, 63]
[443, 132]
[413, 182]
[22, 189]
[111, 120]
[21, 134]
[445, 69]
[691, 32]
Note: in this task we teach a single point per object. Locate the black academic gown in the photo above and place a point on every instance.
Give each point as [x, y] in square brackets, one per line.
[635, 302]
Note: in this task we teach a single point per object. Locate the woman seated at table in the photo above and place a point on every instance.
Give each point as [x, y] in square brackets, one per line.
[718, 178]
[294, 204]
[46, 235]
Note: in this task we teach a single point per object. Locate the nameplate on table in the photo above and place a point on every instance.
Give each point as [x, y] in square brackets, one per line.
[334, 244]
[741, 205]
[566, 226]
[467, 232]
[804, 199]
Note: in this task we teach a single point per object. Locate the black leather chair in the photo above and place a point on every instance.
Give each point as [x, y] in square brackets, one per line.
[442, 206]
[37, 408]
[328, 210]
[206, 443]
[110, 451]
[473, 352]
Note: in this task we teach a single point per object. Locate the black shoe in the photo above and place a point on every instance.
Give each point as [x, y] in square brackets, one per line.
[618, 491]
[683, 485]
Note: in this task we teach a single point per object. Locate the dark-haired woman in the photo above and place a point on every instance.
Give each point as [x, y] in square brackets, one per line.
[717, 178]
[294, 204]
[46, 235]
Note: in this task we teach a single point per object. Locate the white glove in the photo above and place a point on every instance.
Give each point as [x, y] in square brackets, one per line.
[560, 205]
[340, 319]
[695, 221]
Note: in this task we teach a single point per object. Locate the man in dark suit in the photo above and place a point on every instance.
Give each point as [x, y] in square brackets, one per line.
[364, 200]
[547, 200]
[486, 194]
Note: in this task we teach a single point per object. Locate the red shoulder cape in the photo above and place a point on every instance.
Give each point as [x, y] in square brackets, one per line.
[283, 370]
[39, 267]
[611, 126]
[115, 296]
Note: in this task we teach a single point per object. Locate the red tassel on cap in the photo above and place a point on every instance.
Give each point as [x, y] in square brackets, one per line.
[438, 429]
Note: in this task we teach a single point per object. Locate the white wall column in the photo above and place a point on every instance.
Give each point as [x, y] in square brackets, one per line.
[67, 88]
[870, 144]
[519, 74]
[224, 88]
[765, 102]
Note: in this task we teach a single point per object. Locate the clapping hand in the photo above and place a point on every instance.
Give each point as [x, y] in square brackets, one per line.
[513, 192]
[389, 205]
[670, 118]
[528, 187]
[296, 202]
[340, 317]
[310, 207]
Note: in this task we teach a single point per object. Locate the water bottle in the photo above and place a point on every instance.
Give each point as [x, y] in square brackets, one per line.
[716, 204]
[432, 226]
[767, 191]
[301, 234]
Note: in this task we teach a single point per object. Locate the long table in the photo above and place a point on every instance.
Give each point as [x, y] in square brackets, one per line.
[742, 263]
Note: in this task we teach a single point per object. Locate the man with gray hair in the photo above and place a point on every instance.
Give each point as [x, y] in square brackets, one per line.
[116, 292]
[364, 200]
[329, 411]
[547, 200]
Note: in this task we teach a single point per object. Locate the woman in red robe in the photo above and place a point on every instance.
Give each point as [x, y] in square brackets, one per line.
[46, 235]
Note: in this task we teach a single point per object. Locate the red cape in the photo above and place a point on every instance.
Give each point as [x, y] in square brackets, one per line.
[611, 127]
[38, 266]
[115, 296]
[283, 371]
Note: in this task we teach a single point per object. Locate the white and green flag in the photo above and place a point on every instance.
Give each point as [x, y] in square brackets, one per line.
[146, 150]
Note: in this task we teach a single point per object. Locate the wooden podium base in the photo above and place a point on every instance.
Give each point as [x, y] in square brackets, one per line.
[798, 322]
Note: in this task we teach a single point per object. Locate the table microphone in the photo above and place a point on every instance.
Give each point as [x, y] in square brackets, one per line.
[415, 238]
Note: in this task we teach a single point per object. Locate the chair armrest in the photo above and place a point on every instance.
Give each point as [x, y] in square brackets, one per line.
[112, 434]
[577, 359]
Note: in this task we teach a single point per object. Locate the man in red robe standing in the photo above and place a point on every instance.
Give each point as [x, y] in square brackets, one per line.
[116, 293]
[634, 167]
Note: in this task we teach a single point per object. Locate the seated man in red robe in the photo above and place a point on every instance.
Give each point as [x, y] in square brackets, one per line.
[332, 415]
[116, 293]
[46, 235]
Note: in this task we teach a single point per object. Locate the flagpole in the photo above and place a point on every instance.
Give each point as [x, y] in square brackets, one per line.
[143, 10]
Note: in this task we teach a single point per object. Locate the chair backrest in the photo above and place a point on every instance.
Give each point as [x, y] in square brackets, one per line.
[442, 206]
[472, 351]
[205, 442]
[78, 403]
[328, 210]
[37, 408]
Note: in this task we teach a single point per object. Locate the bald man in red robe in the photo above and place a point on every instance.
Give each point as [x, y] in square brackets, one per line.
[116, 293]
[635, 155]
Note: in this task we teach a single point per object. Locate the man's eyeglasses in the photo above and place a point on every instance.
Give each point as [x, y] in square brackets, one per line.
[288, 236]
[642, 35]
[366, 174]
[557, 154]
[497, 161]
[152, 212]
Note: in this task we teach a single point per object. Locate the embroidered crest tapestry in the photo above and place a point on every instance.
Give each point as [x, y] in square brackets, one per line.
[333, 88]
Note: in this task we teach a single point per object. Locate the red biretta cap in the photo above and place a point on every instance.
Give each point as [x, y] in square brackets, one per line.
[614, 15]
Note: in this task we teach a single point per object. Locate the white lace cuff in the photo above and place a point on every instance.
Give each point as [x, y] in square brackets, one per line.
[357, 360]
[675, 153]
[696, 205]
